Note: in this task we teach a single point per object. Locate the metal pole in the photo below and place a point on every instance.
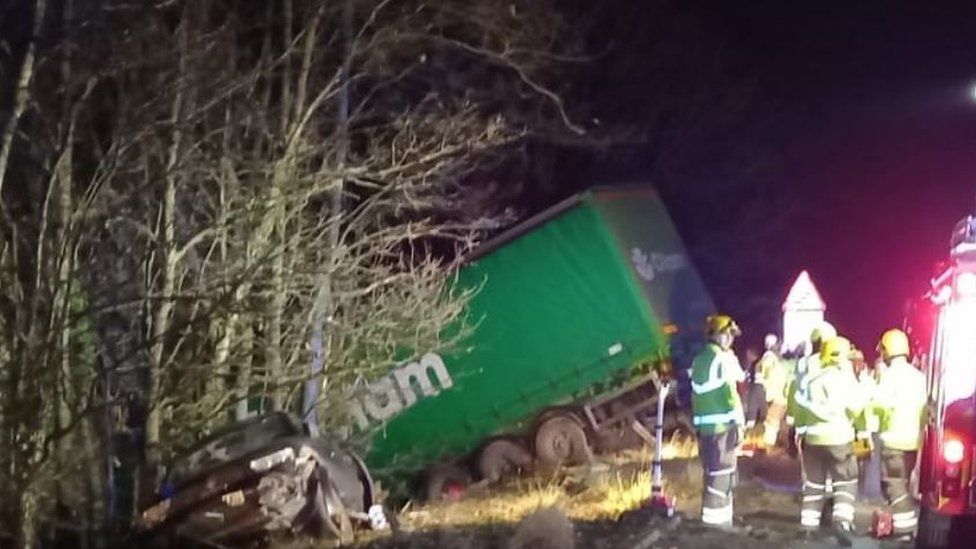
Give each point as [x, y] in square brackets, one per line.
[657, 475]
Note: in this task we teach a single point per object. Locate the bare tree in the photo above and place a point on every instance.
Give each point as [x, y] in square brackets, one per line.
[233, 191]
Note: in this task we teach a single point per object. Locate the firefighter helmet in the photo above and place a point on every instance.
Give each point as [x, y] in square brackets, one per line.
[834, 350]
[717, 324]
[823, 332]
[893, 343]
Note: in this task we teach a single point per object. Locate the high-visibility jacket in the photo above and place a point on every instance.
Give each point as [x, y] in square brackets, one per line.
[899, 405]
[774, 377]
[806, 366]
[829, 406]
[867, 421]
[715, 400]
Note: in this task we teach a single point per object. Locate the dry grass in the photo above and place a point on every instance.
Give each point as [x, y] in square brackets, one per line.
[600, 493]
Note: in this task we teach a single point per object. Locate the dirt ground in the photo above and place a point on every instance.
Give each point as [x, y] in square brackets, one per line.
[604, 507]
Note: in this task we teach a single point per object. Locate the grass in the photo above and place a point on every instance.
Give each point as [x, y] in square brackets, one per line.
[604, 492]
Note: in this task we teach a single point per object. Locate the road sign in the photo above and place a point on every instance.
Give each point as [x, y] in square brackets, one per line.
[803, 311]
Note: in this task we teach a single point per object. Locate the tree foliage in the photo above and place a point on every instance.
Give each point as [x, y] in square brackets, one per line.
[202, 198]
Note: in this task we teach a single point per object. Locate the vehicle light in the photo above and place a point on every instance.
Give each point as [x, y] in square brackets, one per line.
[966, 284]
[953, 451]
[269, 461]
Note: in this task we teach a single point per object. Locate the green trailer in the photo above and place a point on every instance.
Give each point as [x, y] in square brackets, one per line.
[573, 307]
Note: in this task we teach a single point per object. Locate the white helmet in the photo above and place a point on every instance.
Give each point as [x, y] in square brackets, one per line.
[770, 341]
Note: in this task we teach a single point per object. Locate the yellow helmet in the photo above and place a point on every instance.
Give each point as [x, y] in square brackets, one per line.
[717, 324]
[893, 343]
[835, 349]
[823, 332]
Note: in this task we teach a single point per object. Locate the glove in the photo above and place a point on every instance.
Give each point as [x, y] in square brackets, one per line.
[862, 447]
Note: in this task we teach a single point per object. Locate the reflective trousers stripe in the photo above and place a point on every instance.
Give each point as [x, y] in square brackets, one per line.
[716, 492]
[810, 518]
[722, 472]
[906, 524]
[717, 515]
[844, 511]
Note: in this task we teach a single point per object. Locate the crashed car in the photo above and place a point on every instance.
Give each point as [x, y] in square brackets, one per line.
[259, 477]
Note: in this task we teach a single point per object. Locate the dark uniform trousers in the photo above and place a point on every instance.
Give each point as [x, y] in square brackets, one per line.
[896, 468]
[836, 462]
[718, 458]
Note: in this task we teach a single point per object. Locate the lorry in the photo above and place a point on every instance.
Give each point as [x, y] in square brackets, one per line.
[576, 310]
[946, 481]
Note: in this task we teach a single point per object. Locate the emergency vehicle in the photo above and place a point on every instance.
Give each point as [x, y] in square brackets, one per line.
[947, 456]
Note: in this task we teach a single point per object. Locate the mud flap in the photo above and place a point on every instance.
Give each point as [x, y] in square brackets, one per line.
[933, 529]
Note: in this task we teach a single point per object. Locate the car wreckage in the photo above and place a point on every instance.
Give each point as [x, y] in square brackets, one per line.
[263, 476]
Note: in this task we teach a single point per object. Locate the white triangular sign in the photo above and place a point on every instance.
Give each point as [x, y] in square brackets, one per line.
[804, 296]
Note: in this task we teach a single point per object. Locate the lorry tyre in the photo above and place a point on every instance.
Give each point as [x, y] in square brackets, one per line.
[446, 481]
[501, 458]
[561, 440]
[933, 529]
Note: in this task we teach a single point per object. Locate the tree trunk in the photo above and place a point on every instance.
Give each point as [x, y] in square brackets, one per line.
[324, 306]
[22, 93]
[27, 518]
[276, 305]
[168, 259]
[96, 485]
[243, 378]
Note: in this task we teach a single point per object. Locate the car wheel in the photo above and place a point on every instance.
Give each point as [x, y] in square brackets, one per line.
[933, 529]
[331, 513]
[561, 440]
[501, 458]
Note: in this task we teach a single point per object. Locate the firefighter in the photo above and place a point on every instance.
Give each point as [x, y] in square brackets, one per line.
[806, 366]
[718, 417]
[828, 407]
[774, 376]
[898, 405]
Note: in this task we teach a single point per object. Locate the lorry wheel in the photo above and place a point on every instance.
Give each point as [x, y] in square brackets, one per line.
[501, 458]
[446, 481]
[560, 440]
[933, 529]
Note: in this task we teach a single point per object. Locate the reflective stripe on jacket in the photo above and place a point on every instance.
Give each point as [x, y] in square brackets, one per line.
[899, 405]
[714, 399]
[830, 405]
[799, 389]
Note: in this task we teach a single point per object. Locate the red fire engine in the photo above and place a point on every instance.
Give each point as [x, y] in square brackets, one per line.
[947, 457]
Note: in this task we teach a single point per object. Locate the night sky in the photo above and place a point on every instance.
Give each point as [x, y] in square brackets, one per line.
[881, 126]
[863, 118]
